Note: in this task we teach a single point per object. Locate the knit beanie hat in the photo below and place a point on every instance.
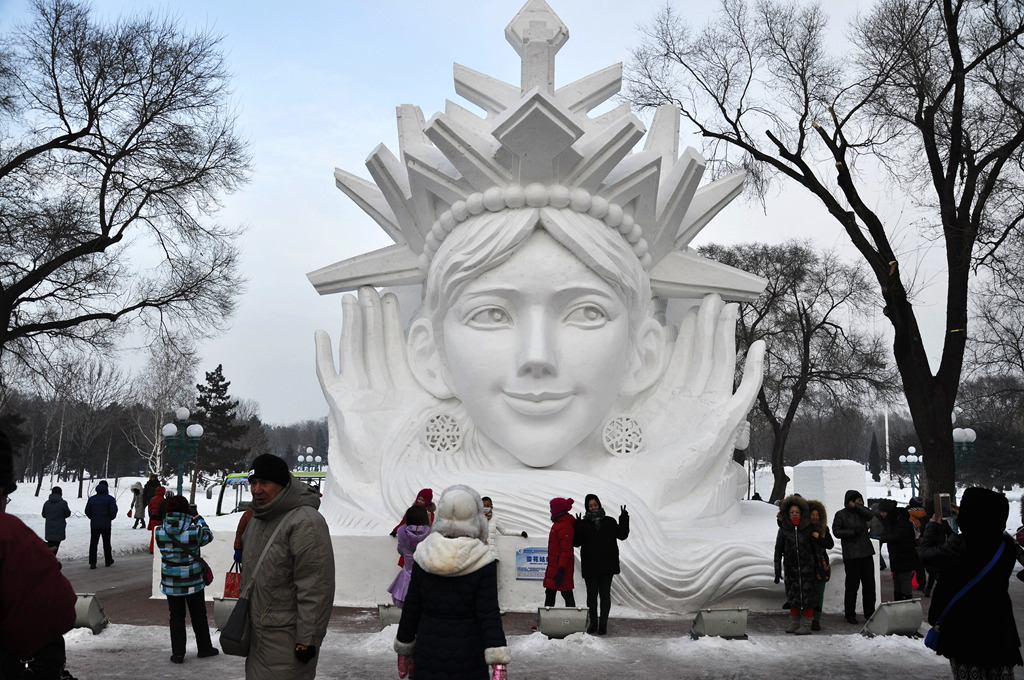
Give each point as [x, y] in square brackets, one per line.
[427, 495]
[270, 468]
[460, 512]
[560, 505]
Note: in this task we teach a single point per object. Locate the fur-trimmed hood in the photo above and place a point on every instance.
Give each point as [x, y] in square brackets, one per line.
[789, 501]
[822, 526]
[443, 556]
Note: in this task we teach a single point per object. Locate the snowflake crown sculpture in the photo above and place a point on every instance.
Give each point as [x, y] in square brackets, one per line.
[537, 147]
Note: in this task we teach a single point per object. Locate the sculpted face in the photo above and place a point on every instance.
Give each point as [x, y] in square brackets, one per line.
[537, 349]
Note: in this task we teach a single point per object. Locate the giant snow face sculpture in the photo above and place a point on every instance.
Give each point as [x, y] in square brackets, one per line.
[540, 362]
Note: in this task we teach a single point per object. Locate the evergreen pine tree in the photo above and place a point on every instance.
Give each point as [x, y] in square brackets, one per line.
[874, 461]
[219, 449]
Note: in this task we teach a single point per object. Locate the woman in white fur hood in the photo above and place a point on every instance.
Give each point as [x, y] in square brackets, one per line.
[451, 627]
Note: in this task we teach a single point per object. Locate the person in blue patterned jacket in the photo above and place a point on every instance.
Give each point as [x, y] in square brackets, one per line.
[181, 576]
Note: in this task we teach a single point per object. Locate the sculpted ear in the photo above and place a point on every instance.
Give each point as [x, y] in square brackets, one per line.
[425, 360]
[645, 365]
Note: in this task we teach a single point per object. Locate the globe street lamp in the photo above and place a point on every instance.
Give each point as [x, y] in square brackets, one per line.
[914, 463]
[182, 441]
[963, 444]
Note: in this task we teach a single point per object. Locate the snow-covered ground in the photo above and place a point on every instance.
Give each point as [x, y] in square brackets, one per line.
[124, 651]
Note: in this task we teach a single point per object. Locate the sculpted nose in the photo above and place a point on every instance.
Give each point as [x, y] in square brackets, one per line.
[537, 355]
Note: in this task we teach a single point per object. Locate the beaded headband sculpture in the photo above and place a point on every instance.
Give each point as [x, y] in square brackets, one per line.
[535, 148]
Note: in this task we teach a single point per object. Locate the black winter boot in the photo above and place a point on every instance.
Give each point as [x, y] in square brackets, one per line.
[602, 626]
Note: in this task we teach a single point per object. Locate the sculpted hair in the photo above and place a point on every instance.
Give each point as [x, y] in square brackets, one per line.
[488, 240]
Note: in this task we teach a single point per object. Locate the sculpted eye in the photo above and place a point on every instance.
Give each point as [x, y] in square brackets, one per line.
[587, 316]
[490, 317]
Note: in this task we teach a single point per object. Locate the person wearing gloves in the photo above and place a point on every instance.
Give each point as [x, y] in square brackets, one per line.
[795, 546]
[179, 539]
[417, 527]
[451, 627]
[597, 537]
[424, 499]
[979, 633]
[824, 542]
[558, 576]
[850, 526]
[495, 526]
[291, 599]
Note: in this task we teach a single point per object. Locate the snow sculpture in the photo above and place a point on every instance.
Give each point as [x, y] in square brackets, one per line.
[541, 362]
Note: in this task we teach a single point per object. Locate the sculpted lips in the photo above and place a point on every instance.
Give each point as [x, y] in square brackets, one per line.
[537, 403]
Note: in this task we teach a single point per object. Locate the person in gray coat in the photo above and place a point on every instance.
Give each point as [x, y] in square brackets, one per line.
[293, 592]
[56, 513]
[850, 526]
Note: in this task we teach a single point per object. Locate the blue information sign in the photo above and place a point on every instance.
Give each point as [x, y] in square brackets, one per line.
[531, 563]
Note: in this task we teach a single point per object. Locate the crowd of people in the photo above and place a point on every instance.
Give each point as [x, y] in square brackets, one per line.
[447, 586]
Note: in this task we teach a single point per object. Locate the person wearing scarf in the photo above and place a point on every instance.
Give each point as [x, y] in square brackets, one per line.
[597, 537]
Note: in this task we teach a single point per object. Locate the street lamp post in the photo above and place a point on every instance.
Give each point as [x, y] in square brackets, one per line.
[963, 444]
[182, 441]
[914, 463]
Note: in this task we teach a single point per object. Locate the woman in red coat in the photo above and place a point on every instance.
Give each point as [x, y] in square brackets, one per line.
[561, 562]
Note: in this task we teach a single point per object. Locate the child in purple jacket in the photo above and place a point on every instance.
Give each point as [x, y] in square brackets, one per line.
[415, 529]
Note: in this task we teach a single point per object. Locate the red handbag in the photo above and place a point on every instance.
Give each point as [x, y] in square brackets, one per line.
[233, 581]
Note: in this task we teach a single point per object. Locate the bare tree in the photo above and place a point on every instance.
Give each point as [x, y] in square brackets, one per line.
[808, 316]
[116, 144]
[930, 91]
[164, 385]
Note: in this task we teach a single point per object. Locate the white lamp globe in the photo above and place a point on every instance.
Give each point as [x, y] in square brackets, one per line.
[194, 430]
[959, 435]
[169, 430]
[181, 413]
[971, 435]
[903, 459]
[318, 459]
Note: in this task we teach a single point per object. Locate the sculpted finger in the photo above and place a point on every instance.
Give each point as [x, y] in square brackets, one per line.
[394, 342]
[703, 344]
[724, 368]
[753, 371]
[351, 360]
[326, 372]
[373, 339]
[679, 364]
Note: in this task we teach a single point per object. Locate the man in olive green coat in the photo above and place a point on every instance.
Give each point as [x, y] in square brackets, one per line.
[294, 589]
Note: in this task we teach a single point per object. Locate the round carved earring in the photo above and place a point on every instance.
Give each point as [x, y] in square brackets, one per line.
[442, 434]
[622, 436]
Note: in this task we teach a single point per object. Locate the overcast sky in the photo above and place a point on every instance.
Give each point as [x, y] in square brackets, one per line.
[316, 86]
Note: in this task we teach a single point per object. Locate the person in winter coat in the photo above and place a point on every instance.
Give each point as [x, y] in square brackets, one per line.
[850, 526]
[37, 604]
[56, 512]
[138, 509]
[495, 526]
[101, 509]
[292, 595]
[597, 537]
[180, 538]
[417, 528]
[149, 490]
[978, 634]
[824, 542]
[898, 534]
[558, 576]
[451, 626]
[795, 546]
[243, 522]
[156, 516]
[425, 499]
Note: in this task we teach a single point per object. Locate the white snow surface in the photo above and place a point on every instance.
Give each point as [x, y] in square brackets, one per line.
[124, 651]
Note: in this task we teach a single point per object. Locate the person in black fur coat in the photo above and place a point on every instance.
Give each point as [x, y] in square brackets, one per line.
[979, 634]
[795, 546]
[451, 625]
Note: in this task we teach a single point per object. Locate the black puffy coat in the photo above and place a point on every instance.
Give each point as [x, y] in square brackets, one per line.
[979, 629]
[796, 549]
[850, 526]
[599, 548]
[452, 623]
[898, 534]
